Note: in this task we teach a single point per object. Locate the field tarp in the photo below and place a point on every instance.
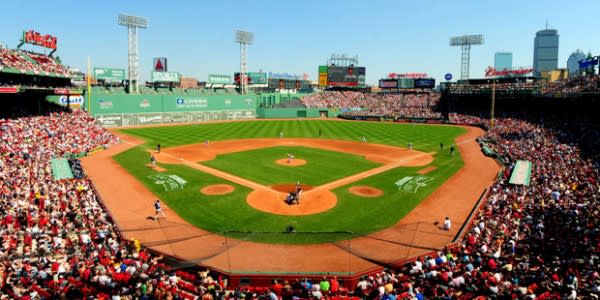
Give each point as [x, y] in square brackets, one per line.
[61, 169]
[521, 173]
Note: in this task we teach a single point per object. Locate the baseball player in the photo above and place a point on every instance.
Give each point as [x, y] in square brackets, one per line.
[158, 210]
[153, 160]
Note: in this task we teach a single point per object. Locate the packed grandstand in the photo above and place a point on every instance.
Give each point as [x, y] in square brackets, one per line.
[539, 241]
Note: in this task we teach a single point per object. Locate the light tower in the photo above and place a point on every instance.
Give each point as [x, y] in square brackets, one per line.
[133, 23]
[465, 43]
[244, 38]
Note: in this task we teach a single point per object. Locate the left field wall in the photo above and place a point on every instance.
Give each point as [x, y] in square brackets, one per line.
[132, 110]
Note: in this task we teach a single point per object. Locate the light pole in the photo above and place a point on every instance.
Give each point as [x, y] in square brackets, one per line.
[133, 23]
[244, 38]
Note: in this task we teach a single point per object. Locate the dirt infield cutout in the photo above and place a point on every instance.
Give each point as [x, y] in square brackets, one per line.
[365, 191]
[217, 189]
[273, 202]
[294, 163]
[156, 168]
[426, 170]
[286, 188]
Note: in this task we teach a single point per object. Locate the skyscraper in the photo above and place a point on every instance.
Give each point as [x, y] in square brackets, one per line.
[503, 60]
[573, 62]
[545, 51]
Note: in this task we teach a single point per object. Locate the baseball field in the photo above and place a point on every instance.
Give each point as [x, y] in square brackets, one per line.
[232, 177]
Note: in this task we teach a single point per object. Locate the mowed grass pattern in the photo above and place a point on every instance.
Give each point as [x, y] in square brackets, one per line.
[352, 216]
[322, 166]
[423, 137]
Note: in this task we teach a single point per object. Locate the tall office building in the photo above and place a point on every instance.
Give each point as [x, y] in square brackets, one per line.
[502, 61]
[573, 62]
[545, 51]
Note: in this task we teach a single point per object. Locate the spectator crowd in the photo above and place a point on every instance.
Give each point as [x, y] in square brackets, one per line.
[540, 241]
[573, 85]
[402, 105]
[57, 239]
[30, 61]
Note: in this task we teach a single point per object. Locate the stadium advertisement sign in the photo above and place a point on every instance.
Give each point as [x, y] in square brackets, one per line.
[181, 103]
[406, 83]
[425, 83]
[323, 75]
[388, 83]
[219, 79]
[35, 38]
[160, 64]
[8, 90]
[492, 72]
[109, 74]
[73, 101]
[165, 77]
[253, 77]
[407, 75]
[346, 76]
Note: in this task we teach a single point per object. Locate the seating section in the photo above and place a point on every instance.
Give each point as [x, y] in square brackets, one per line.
[404, 105]
[29, 61]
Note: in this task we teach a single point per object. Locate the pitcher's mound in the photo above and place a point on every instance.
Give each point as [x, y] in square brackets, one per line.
[156, 168]
[294, 163]
[217, 189]
[365, 191]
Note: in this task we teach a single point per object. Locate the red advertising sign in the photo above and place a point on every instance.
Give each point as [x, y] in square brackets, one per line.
[8, 90]
[492, 72]
[35, 38]
[61, 91]
[408, 75]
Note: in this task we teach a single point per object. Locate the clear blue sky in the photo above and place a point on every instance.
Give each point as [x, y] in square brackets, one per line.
[296, 36]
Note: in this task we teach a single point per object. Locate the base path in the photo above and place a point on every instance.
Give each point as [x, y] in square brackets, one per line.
[130, 204]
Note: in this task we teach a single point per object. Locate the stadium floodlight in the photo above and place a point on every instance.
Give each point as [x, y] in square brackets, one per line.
[244, 38]
[465, 42]
[133, 23]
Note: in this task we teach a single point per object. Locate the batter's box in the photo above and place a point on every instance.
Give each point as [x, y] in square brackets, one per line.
[412, 184]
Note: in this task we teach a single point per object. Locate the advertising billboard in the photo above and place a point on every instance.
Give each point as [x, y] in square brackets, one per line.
[160, 64]
[406, 83]
[218, 79]
[425, 83]
[388, 83]
[288, 84]
[109, 74]
[323, 76]
[346, 76]
[164, 77]
[253, 78]
[42, 40]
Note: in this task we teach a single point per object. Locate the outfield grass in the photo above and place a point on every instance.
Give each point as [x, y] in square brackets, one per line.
[352, 216]
[424, 137]
[322, 165]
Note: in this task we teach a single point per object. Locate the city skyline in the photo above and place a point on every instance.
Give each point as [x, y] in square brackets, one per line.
[297, 37]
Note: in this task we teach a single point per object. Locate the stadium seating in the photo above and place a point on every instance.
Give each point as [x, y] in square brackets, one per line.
[404, 105]
[29, 61]
[540, 241]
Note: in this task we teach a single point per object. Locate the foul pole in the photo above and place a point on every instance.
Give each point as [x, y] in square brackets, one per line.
[89, 86]
[493, 104]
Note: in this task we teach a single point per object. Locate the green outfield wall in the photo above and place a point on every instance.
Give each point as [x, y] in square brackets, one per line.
[270, 113]
[132, 110]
